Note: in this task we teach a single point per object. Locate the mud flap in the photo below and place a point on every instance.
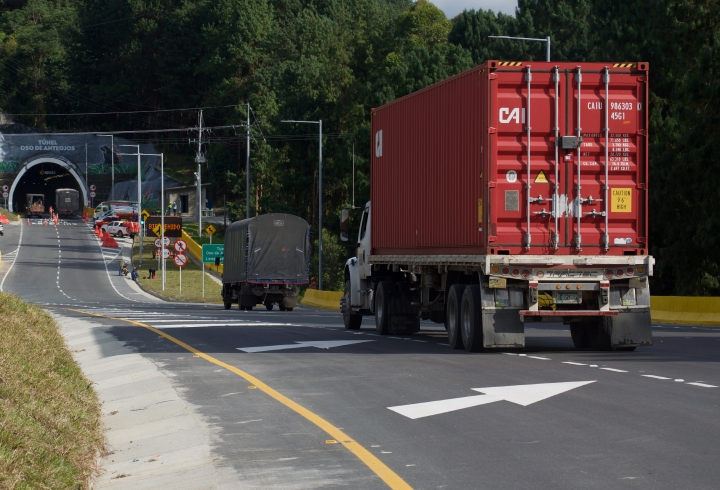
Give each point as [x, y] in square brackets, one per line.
[630, 329]
[502, 328]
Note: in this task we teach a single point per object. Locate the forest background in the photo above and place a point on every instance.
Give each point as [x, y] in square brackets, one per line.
[334, 60]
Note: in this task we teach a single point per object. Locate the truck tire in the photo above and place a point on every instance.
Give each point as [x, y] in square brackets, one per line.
[269, 306]
[227, 305]
[352, 321]
[601, 334]
[288, 309]
[282, 307]
[471, 319]
[119, 234]
[580, 333]
[382, 307]
[453, 315]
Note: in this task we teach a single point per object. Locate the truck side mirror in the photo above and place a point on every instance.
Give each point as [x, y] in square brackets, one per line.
[345, 225]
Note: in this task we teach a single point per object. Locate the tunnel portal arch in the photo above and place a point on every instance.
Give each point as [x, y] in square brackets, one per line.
[54, 159]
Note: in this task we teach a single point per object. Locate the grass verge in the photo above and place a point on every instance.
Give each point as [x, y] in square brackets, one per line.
[50, 426]
[191, 229]
[191, 279]
[9, 215]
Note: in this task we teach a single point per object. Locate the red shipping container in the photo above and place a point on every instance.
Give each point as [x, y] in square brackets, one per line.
[452, 171]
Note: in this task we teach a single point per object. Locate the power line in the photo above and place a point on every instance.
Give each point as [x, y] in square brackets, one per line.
[121, 112]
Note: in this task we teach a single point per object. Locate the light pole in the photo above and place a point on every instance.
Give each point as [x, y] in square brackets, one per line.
[139, 190]
[546, 40]
[112, 163]
[319, 197]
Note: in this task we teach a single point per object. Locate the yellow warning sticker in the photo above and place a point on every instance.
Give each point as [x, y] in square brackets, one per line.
[621, 201]
[480, 216]
[541, 178]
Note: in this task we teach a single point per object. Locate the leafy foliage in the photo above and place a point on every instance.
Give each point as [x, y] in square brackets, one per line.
[333, 60]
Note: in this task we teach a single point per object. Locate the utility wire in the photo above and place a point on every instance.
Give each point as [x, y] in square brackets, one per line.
[120, 112]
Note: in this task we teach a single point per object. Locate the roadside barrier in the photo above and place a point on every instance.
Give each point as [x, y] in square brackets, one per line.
[196, 250]
[695, 310]
[322, 299]
[4, 220]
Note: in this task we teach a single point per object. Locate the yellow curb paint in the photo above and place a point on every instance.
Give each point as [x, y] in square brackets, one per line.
[387, 475]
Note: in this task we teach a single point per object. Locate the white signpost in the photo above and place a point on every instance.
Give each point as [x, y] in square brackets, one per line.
[180, 261]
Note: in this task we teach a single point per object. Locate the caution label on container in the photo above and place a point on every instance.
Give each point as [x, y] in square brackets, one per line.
[541, 178]
[621, 200]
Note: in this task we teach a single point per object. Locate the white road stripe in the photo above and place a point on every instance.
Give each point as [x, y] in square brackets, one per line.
[654, 377]
[614, 370]
[574, 363]
[703, 385]
[541, 358]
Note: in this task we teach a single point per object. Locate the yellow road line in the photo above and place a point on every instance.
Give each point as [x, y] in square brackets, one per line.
[387, 475]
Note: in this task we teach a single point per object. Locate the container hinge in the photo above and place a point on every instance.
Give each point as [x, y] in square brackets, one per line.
[578, 242]
[543, 213]
[492, 76]
[595, 214]
[492, 184]
[642, 79]
[492, 130]
[642, 132]
[492, 239]
[606, 241]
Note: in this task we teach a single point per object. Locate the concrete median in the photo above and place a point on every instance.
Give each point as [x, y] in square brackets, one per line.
[329, 300]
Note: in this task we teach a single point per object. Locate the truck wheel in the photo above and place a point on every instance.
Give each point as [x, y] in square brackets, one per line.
[471, 319]
[119, 234]
[227, 305]
[269, 306]
[352, 322]
[580, 333]
[452, 315]
[282, 307]
[601, 334]
[289, 309]
[382, 307]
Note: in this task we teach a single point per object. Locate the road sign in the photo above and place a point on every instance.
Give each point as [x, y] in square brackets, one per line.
[180, 260]
[92, 194]
[166, 240]
[5, 188]
[210, 230]
[320, 344]
[180, 246]
[209, 252]
[145, 215]
[165, 253]
[522, 395]
[5, 194]
[93, 187]
[173, 226]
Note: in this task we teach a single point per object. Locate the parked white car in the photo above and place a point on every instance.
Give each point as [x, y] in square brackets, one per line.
[116, 228]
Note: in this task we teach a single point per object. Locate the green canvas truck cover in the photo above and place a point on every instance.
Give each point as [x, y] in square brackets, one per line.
[270, 248]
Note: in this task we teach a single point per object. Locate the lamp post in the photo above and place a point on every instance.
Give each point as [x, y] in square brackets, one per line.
[546, 40]
[319, 196]
[139, 190]
[112, 163]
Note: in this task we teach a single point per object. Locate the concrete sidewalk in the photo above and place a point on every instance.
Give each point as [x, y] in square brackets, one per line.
[155, 438]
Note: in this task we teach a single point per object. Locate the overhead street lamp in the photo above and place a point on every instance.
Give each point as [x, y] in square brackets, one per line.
[546, 40]
[112, 163]
[320, 212]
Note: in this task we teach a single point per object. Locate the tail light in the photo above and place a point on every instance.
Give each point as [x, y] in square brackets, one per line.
[540, 273]
[609, 274]
[505, 271]
[620, 272]
[495, 269]
[526, 274]
[640, 269]
[516, 272]
[630, 271]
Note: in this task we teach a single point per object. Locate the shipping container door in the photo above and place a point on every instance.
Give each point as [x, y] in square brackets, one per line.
[607, 172]
[526, 110]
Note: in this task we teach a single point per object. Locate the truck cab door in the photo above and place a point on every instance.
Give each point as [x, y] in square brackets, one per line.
[363, 251]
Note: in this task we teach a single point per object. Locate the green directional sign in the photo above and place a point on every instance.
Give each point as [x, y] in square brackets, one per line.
[210, 252]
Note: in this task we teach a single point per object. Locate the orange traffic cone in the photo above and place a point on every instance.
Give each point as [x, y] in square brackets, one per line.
[28, 221]
[45, 223]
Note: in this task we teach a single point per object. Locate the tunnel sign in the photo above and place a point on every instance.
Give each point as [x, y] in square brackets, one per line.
[5, 195]
[92, 194]
[93, 187]
[621, 200]
[173, 226]
[5, 188]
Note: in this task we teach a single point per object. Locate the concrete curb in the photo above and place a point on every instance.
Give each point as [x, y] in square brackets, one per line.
[329, 300]
[155, 438]
[685, 310]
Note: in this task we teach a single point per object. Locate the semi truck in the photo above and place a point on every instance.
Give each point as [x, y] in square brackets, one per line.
[67, 202]
[512, 193]
[266, 258]
[35, 205]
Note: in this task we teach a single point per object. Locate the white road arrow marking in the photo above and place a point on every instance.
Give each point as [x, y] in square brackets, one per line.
[320, 344]
[522, 395]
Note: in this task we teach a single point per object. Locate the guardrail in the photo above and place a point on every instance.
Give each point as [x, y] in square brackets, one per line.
[689, 310]
[196, 250]
[322, 299]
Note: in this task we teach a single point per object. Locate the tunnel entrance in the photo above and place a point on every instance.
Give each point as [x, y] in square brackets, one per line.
[38, 182]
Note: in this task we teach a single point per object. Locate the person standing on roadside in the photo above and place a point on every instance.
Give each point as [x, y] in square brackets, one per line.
[134, 274]
[174, 208]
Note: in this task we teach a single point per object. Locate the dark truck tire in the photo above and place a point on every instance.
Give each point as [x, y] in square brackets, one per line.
[471, 320]
[227, 305]
[580, 333]
[352, 321]
[382, 306]
[269, 307]
[453, 315]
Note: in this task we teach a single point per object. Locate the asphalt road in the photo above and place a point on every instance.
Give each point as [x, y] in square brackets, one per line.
[644, 419]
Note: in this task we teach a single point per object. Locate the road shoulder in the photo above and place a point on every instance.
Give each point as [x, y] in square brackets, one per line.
[155, 437]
